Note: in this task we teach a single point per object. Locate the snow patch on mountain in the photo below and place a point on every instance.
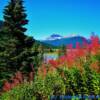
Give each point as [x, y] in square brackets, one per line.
[54, 37]
[57, 36]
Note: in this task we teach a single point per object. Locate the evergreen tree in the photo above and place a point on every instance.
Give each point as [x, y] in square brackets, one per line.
[15, 19]
[15, 47]
[1, 24]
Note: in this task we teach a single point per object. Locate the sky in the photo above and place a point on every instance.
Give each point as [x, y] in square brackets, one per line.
[64, 17]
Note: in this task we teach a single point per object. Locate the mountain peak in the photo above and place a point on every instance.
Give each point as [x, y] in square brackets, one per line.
[54, 37]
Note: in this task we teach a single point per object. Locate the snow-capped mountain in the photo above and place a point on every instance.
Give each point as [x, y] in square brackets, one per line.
[54, 37]
[57, 40]
[57, 36]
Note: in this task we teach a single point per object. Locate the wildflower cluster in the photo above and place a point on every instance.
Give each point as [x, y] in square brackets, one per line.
[16, 80]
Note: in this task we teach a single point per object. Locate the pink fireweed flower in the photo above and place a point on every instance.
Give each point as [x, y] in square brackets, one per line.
[53, 63]
[78, 45]
[16, 82]
[80, 52]
[95, 44]
[19, 76]
[6, 86]
[70, 46]
[62, 59]
[70, 59]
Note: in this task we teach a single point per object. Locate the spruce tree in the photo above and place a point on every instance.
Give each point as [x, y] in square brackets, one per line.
[1, 24]
[15, 19]
[15, 47]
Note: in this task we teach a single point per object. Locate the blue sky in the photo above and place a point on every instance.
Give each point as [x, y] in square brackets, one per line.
[64, 17]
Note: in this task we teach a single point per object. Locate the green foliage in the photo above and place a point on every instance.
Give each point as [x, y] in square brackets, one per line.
[55, 82]
[79, 82]
[52, 84]
[92, 80]
[7, 55]
[72, 83]
[67, 79]
[76, 82]
[15, 19]
[38, 57]
[40, 89]
[21, 92]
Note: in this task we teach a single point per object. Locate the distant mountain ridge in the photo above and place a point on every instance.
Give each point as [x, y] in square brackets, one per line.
[66, 41]
[54, 37]
[57, 36]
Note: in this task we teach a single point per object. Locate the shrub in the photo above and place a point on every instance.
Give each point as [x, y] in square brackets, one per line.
[21, 92]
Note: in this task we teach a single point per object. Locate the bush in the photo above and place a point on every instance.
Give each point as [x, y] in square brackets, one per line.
[40, 89]
[21, 92]
[52, 84]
